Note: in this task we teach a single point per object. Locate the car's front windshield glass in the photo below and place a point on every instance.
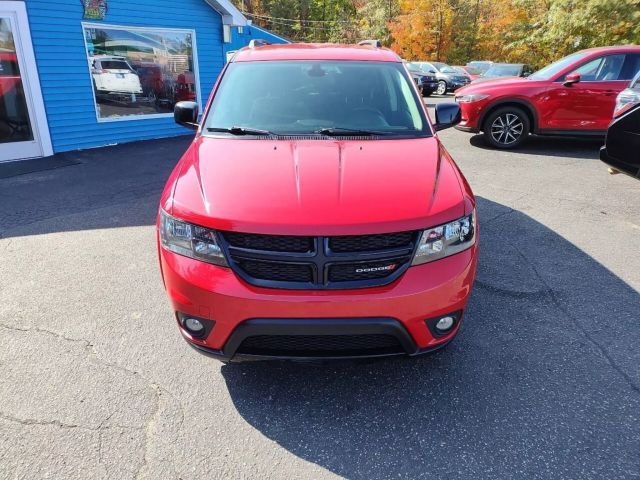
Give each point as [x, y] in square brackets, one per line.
[480, 67]
[440, 66]
[503, 71]
[550, 71]
[306, 97]
[449, 70]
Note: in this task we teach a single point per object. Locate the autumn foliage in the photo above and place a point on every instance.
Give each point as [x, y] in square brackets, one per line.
[456, 31]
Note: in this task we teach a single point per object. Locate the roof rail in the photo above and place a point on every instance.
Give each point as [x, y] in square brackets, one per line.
[258, 42]
[373, 43]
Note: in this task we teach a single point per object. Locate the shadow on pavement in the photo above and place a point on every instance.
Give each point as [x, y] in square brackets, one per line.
[542, 381]
[587, 148]
[130, 176]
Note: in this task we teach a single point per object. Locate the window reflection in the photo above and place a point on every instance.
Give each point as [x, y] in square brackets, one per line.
[14, 116]
[139, 71]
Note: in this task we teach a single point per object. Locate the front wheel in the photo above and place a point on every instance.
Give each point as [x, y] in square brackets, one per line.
[442, 87]
[506, 128]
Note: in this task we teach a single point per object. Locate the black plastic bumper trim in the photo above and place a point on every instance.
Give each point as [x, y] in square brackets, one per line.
[219, 354]
[315, 326]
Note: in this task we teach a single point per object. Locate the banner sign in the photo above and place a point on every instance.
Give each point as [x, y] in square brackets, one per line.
[94, 9]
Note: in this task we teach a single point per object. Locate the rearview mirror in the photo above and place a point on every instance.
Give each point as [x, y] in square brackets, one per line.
[186, 114]
[571, 79]
[447, 115]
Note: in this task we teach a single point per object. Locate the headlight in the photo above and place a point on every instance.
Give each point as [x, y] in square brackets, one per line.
[190, 240]
[470, 98]
[449, 239]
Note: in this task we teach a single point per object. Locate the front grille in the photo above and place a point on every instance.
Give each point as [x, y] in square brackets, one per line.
[362, 243]
[320, 345]
[305, 262]
[271, 243]
[277, 271]
[346, 272]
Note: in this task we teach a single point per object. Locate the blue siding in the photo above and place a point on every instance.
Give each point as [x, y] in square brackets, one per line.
[239, 40]
[58, 43]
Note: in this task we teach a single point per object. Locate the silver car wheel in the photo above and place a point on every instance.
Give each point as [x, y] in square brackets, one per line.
[507, 128]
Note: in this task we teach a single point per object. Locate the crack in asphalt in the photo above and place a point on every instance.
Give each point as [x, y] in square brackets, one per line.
[92, 356]
[509, 292]
[552, 295]
[59, 424]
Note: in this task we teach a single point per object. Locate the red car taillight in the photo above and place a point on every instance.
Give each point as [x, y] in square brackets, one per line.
[626, 100]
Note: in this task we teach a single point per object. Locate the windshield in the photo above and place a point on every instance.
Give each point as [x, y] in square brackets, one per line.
[550, 71]
[303, 97]
[449, 70]
[425, 67]
[503, 71]
[414, 67]
[440, 66]
[479, 67]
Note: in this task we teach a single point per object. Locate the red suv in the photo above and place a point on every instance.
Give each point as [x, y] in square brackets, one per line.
[573, 96]
[317, 216]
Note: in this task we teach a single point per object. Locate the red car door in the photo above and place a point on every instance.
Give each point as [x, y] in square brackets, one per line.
[588, 104]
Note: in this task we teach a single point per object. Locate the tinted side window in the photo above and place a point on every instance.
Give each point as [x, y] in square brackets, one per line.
[602, 69]
[631, 66]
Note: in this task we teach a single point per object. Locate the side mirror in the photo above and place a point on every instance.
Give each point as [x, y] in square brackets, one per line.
[447, 115]
[571, 79]
[186, 114]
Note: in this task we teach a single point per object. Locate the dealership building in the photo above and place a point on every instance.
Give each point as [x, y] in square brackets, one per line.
[78, 74]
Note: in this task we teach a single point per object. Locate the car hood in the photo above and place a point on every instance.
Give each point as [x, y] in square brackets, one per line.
[316, 187]
[498, 81]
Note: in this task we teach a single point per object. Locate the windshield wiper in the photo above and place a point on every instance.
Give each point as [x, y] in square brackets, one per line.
[240, 130]
[340, 131]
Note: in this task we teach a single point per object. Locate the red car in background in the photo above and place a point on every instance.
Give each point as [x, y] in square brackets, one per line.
[470, 72]
[573, 96]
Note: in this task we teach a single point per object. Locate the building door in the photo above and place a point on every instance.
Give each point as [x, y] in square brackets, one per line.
[23, 123]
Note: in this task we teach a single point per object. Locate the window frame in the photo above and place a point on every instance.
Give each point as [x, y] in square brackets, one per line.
[140, 116]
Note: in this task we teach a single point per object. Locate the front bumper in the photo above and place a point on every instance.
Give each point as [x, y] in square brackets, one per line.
[623, 167]
[429, 86]
[215, 293]
[471, 112]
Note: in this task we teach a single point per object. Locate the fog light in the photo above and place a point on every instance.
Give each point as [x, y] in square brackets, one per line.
[445, 323]
[194, 325]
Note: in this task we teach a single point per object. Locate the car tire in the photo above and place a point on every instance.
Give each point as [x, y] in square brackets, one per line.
[442, 88]
[506, 128]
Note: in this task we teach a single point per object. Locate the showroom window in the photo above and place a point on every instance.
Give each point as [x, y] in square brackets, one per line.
[140, 72]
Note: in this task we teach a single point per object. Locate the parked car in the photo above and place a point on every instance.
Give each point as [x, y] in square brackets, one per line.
[449, 80]
[480, 65]
[573, 96]
[622, 145]
[628, 98]
[503, 70]
[470, 72]
[268, 243]
[426, 81]
[114, 78]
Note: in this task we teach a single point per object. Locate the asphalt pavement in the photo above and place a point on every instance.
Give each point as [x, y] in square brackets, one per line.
[543, 380]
